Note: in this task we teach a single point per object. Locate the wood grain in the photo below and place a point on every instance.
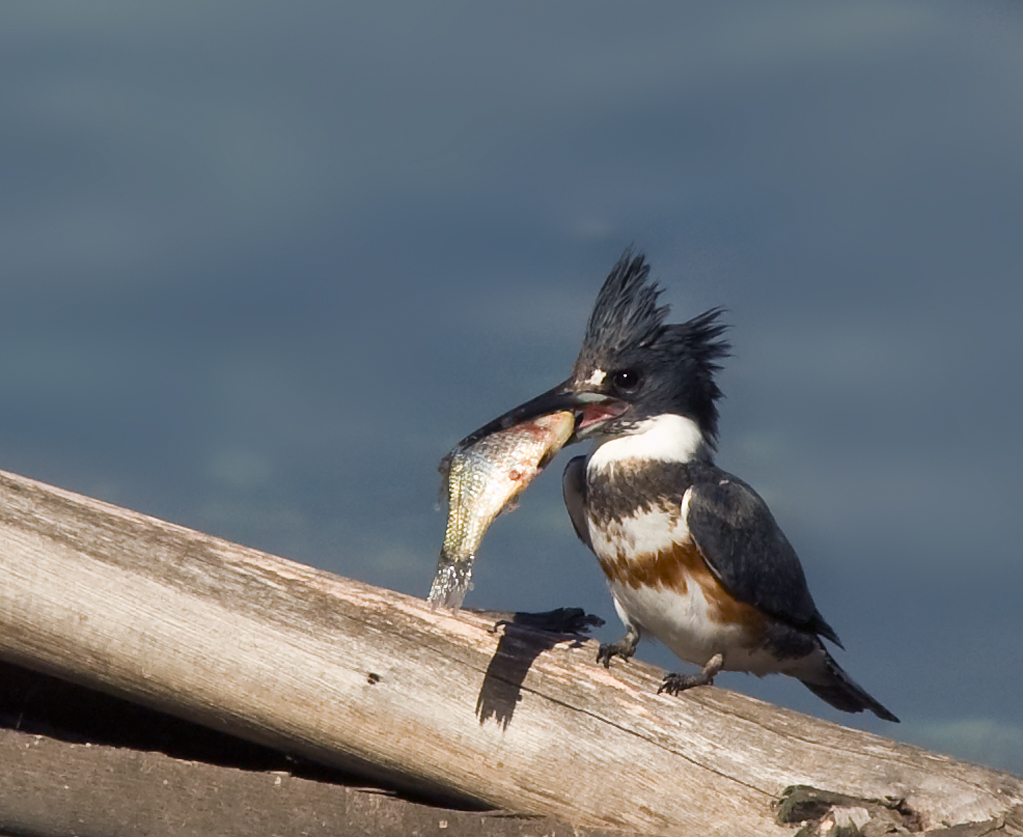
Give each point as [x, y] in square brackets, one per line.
[376, 683]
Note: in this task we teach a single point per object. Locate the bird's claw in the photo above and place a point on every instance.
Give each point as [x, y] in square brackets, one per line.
[677, 683]
[622, 648]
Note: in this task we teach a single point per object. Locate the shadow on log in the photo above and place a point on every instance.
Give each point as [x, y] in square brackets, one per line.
[524, 637]
[375, 684]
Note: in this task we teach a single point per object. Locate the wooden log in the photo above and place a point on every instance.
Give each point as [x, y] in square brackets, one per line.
[376, 683]
[53, 788]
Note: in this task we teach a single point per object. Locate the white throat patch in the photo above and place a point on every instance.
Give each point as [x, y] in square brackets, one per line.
[664, 438]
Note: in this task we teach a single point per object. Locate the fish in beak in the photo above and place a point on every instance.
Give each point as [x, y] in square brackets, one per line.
[590, 406]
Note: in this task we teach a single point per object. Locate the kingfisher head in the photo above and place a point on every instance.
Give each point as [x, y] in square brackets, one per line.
[637, 376]
[650, 374]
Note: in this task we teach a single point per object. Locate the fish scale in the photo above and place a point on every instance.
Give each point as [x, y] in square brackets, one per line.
[483, 479]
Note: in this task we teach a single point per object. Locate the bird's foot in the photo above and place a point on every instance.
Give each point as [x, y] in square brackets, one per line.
[676, 683]
[608, 650]
[624, 648]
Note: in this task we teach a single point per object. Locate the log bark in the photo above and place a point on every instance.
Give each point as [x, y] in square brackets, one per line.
[377, 684]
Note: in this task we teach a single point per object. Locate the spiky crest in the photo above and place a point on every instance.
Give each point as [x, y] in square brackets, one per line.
[626, 312]
[627, 326]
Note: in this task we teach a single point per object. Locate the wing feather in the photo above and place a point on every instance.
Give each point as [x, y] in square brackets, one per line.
[748, 552]
[573, 488]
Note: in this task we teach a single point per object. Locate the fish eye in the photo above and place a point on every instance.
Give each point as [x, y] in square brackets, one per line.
[626, 380]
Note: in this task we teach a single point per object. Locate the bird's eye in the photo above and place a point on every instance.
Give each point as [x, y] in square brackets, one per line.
[626, 380]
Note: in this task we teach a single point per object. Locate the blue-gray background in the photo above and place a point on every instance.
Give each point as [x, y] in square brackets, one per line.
[264, 263]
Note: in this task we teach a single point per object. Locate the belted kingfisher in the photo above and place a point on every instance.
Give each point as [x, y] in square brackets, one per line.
[691, 553]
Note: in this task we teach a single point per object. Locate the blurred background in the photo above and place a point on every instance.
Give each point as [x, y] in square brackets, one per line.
[263, 264]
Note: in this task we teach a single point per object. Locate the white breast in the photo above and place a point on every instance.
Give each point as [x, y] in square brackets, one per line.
[664, 438]
[682, 619]
[682, 623]
[679, 620]
[647, 533]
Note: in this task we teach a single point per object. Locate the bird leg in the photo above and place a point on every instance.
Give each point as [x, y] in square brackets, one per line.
[675, 683]
[624, 648]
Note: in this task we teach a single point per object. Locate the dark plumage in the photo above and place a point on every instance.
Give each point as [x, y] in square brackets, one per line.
[625, 314]
[627, 331]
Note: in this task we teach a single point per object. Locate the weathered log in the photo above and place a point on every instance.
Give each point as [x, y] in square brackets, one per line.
[378, 684]
[53, 788]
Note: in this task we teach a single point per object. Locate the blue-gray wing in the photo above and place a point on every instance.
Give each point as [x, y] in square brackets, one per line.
[573, 489]
[748, 552]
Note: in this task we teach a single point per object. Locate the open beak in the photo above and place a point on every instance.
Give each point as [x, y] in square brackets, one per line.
[590, 408]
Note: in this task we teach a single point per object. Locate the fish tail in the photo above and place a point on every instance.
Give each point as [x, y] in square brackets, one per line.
[451, 583]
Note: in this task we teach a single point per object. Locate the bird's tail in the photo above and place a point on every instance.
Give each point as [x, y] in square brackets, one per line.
[832, 684]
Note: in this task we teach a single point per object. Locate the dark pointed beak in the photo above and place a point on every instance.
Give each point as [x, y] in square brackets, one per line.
[564, 396]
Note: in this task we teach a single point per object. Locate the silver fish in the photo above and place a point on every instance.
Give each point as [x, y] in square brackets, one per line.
[484, 474]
